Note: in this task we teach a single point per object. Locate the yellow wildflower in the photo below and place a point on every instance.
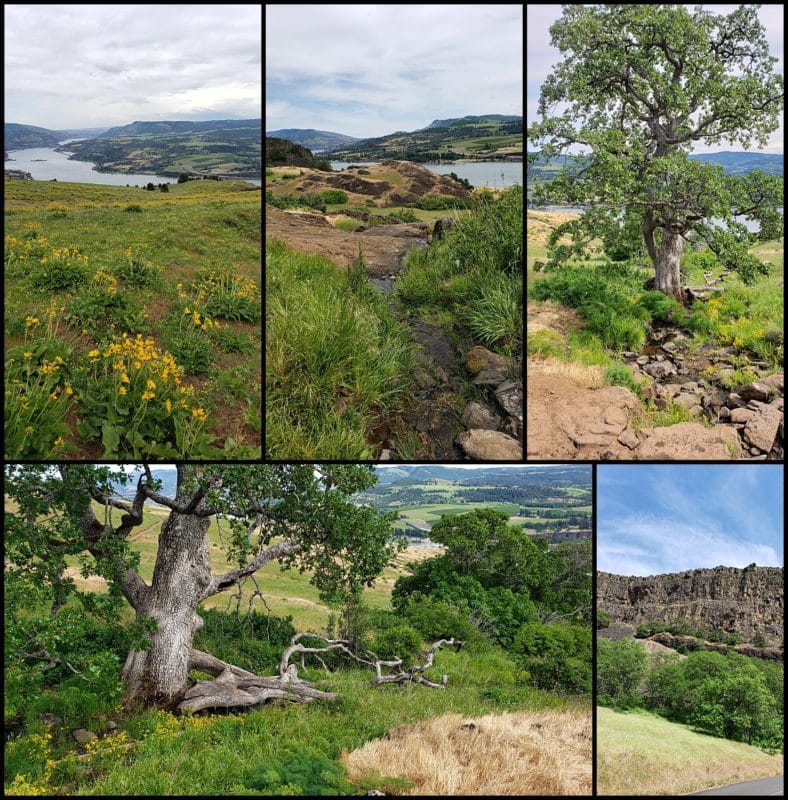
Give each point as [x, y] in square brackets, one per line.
[29, 429]
[31, 322]
[137, 365]
[150, 384]
[148, 396]
[59, 442]
[124, 378]
[93, 354]
[122, 390]
[27, 354]
[168, 406]
[69, 390]
[200, 414]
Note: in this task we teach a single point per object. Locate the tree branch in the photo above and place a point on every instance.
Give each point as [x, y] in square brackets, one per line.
[220, 583]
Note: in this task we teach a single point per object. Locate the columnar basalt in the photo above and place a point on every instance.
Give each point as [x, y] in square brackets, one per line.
[748, 601]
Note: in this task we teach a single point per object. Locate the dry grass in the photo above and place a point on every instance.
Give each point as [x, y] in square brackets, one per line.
[585, 377]
[541, 223]
[641, 754]
[523, 753]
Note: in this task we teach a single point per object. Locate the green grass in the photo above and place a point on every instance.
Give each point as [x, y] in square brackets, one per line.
[642, 754]
[155, 256]
[432, 513]
[336, 358]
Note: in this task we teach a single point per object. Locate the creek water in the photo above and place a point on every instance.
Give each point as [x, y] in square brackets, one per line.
[496, 174]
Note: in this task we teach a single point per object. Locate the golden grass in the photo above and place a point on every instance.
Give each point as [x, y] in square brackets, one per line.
[641, 754]
[522, 753]
[585, 377]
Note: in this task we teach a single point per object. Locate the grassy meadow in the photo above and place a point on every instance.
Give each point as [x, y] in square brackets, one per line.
[642, 754]
[132, 321]
[342, 748]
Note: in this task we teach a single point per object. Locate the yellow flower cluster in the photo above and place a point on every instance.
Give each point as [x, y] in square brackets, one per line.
[129, 354]
[30, 322]
[199, 321]
[167, 726]
[103, 280]
[22, 786]
[108, 746]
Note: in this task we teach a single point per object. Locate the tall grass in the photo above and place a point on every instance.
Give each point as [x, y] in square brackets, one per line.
[335, 357]
[475, 273]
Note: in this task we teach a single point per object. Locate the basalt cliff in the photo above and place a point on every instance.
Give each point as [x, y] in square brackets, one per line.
[748, 601]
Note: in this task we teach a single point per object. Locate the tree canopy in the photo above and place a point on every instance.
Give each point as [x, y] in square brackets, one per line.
[638, 87]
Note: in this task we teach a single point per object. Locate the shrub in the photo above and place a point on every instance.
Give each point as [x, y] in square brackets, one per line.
[401, 641]
[133, 207]
[620, 667]
[137, 272]
[228, 294]
[621, 375]
[603, 618]
[63, 269]
[332, 196]
[304, 771]
[183, 177]
[436, 619]
[661, 307]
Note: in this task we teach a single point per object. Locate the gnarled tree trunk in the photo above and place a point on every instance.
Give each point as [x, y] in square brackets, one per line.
[666, 256]
[180, 579]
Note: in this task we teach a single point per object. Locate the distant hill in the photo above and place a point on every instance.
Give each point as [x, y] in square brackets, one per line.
[493, 136]
[228, 148]
[314, 140]
[163, 128]
[733, 163]
[445, 123]
[741, 163]
[21, 137]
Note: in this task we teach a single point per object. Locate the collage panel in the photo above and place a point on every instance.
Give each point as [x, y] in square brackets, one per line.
[654, 274]
[689, 629]
[132, 279]
[288, 629]
[394, 233]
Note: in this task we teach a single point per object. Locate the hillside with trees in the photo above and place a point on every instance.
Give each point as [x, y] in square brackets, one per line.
[251, 631]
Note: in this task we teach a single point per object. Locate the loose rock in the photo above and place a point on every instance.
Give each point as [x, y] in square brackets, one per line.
[484, 445]
[477, 415]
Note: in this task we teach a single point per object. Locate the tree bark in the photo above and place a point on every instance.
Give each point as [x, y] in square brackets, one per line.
[666, 256]
[181, 576]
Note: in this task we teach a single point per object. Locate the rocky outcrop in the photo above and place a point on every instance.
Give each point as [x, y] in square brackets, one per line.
[280, 152]
[690, 643]
[748, 601]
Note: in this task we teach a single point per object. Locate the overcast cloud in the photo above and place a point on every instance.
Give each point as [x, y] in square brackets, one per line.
[78, 66]
[542, 57]
[369, 70]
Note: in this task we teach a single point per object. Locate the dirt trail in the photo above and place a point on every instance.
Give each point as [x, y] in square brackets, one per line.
[311, 233]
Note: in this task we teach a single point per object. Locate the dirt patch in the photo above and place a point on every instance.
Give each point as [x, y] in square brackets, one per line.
[312, 233]
[551, 316]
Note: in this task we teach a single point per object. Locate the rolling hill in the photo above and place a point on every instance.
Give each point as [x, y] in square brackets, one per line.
[483, 138]
[230, 148]
[314, 140]
[21, 137]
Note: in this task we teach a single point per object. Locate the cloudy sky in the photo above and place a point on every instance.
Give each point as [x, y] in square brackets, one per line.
[542, 57]
[79, 66]
[653, 519]
[370, 70]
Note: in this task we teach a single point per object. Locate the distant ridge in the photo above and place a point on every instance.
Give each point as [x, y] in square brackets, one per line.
[21, 137]
[311, 138]
[178, 126]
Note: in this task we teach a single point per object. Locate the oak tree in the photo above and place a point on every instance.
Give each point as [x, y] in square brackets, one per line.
[299, 515]
[639, 86]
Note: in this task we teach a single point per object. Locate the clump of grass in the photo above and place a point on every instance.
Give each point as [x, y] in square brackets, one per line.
[621, 375]
[335, 356]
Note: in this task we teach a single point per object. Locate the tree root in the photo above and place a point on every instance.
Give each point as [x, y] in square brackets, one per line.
[236, 688]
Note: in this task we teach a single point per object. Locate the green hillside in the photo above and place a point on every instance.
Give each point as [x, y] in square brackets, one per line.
[466, 137]
[642, 754]
[132, 320]
[20, 137]
[223, 147]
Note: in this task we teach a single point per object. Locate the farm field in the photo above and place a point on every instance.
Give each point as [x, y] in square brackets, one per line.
[642, 754]
[132, 321]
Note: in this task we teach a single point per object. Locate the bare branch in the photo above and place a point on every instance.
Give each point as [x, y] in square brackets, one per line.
[219, 584]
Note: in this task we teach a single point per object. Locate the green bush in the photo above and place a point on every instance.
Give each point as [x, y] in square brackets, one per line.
[660, 307]
[332, 196]
[304, 771]
[603, 618]
[621, 375]
[436, 619]
[620, 667]
[401, 641]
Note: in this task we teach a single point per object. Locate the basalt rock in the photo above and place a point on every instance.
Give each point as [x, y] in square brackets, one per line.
[748, 601]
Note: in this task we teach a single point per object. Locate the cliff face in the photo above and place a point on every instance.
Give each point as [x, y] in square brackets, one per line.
[280, 152]
[749, 600]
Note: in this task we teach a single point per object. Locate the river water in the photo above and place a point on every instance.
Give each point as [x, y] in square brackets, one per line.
[496, 174]
[44, 164]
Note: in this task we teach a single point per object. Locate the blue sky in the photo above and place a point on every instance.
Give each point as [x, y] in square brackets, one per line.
[370, 70]
[653, 519]
[541, 56]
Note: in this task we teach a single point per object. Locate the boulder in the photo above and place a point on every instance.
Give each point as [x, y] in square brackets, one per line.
[777, 381]
[484, 445]
[690, 441]
[510, 397]
[741, 415]
[477, 415]
[490, 377]
[478, 359]
[758, 390]
[629, 439]
[83, 736]
[660, 370]
[761, 430]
